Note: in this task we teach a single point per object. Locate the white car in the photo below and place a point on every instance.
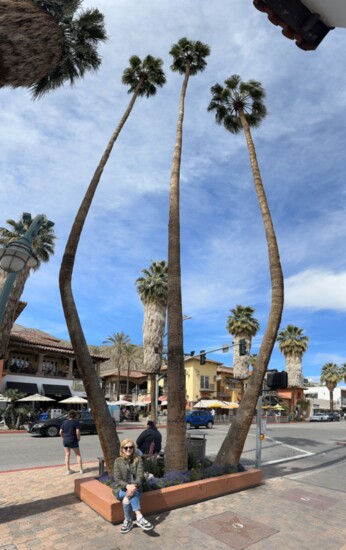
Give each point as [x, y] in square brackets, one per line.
[319, 417]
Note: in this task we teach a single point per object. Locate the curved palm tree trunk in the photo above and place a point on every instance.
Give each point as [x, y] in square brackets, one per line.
[233, 444]
[10, 311]
[107, 433]
[176, 429]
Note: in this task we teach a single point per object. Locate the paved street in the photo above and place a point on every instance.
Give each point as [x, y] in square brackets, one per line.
[300, 505]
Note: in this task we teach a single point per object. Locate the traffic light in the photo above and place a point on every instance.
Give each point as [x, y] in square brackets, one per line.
[202, 357]
[277, 380]
[242, 347]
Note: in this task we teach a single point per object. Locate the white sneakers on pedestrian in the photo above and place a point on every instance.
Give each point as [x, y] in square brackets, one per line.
[144, 524]
[81, 471]
[69, 472]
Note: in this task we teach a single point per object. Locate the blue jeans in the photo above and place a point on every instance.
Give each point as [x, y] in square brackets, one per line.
[134, 504]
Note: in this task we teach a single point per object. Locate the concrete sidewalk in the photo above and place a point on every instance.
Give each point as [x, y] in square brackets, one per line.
[38, 509]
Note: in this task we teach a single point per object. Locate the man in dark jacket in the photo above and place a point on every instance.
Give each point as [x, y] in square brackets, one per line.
[149, 441]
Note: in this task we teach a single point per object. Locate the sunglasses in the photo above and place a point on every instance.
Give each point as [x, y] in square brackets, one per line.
[128, 448]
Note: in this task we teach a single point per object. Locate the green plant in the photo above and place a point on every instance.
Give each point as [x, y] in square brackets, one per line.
[152, 467]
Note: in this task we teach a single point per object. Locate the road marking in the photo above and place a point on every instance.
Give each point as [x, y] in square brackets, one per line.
[287, 458]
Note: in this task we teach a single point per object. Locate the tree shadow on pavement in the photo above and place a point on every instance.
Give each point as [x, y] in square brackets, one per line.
[14, 512]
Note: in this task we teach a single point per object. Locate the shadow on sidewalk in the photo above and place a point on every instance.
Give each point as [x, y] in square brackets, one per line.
[19, 511]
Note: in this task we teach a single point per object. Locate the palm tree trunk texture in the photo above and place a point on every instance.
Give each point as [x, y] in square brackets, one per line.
[128, 378]
[331, 401]
[31, 43]
[234, 442]
[107, 433]
[10, 312]
[294, 370]
[176, 430]
[241, 362]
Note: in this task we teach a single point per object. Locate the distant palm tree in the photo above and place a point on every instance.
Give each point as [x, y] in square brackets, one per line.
[119, 342]
[331, 375]
[44, 43]
[43, 248]
[133, 358]
[152, 289]
[188, 60]
[293, 344]
[142, 77]
[243, 326]
[240, 106]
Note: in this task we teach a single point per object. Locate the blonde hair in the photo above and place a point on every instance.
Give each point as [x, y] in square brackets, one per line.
[134, 455]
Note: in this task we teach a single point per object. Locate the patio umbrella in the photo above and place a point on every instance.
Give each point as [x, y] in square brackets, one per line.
[231, 405]
[278, 407]
[210, 404]
[36, 397]
[74, 400]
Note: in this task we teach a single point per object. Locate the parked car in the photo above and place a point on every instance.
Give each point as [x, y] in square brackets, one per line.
[51, 427]
[319, 417]
[333, 417]
[194, 419]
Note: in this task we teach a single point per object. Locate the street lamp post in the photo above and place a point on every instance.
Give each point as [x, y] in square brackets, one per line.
[16, 256]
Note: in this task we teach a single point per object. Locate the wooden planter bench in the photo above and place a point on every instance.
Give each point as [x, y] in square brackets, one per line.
[101, 499]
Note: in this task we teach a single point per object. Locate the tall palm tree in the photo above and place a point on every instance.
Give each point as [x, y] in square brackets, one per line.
[44, 43]
[188, 60]
[240, 106]
[293, 344]
[243, 326]
[142, 77]
[331, 375]
[43, 248]
[119, 342]
[153, 288]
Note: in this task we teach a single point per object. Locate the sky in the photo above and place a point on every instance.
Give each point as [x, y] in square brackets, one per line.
[51, 147]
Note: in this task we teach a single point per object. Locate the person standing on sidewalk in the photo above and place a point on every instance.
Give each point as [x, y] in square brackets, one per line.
[129, 478]
[149, 442]
[70, 432]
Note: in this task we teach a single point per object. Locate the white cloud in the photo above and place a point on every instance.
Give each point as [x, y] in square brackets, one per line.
[316, 289]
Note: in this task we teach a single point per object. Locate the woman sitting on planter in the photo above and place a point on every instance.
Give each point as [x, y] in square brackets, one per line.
[129, 478]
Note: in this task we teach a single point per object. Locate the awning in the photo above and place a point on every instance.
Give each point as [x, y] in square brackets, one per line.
[54, 389]
[24, 387]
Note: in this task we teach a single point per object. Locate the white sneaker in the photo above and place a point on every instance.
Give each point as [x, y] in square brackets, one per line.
[69, 472]
[144, 524]
[81, 471]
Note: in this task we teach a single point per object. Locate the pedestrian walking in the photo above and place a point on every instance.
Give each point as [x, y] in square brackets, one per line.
[70, 432]
[129, 479]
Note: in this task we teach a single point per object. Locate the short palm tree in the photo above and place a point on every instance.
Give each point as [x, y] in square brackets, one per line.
[142, 78]
[240, 106]
[44, 43]
[331, 375]
[243, 326]
[152, 289]
[43, 248]
[188, 60]
[293, 344]
[13, 396]
[119, 342]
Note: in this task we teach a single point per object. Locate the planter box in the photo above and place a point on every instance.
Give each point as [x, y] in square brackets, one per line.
[101, 499]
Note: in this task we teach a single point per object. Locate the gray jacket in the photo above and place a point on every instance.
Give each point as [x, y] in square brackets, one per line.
[122, 470]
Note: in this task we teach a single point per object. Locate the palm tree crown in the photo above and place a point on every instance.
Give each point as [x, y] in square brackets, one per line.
[292, 341]
[148, 73]
[242, 322]
[44, 43]
[189, 52]
[42, 245]
[330, 375]
[153, 286]
[235, 98]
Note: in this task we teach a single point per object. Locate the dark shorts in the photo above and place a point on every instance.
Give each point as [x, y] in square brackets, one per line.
[73, 445]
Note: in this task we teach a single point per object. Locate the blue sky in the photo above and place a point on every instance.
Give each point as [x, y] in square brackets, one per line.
[51, 147]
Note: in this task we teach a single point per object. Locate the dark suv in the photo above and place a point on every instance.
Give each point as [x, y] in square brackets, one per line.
[333, 417]
[194, 419]
[52, 426]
